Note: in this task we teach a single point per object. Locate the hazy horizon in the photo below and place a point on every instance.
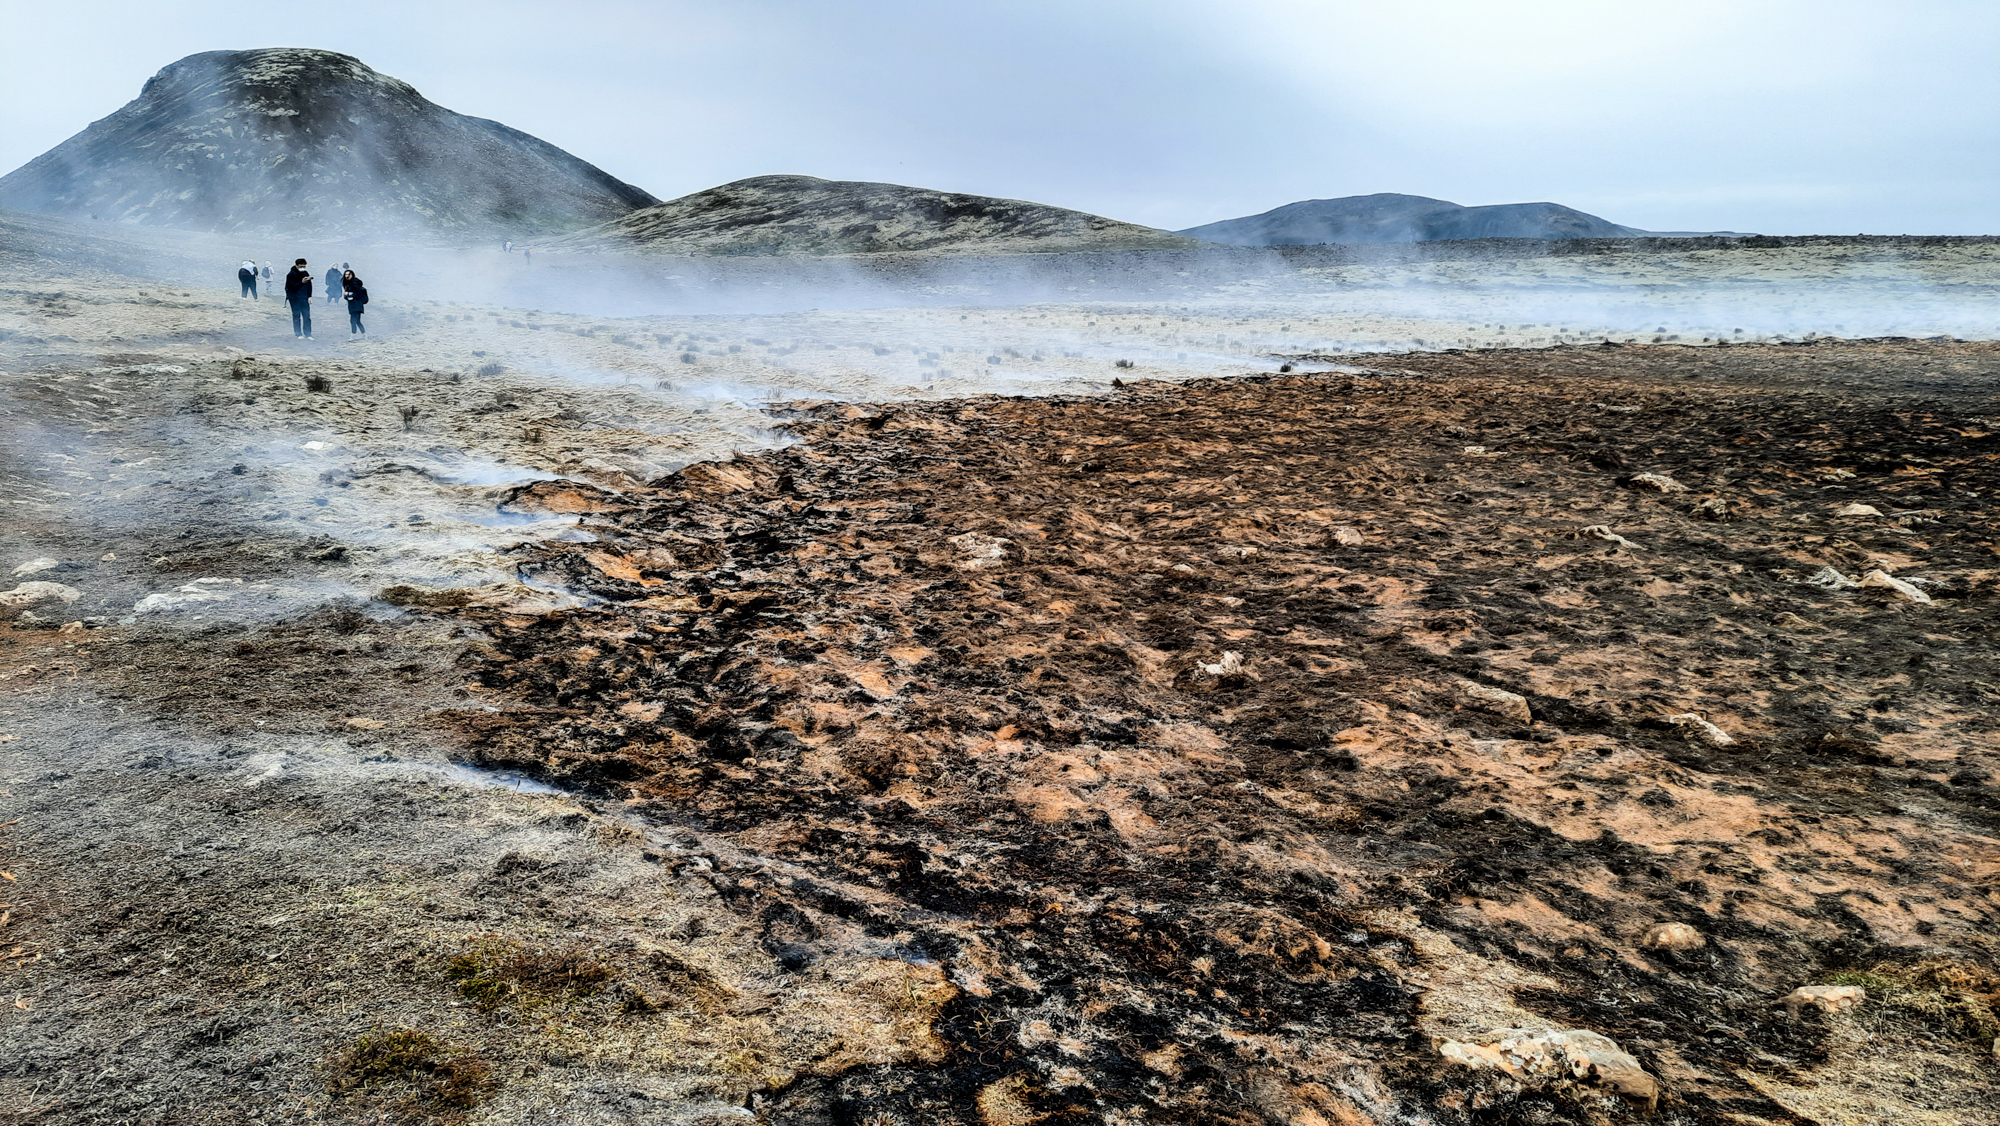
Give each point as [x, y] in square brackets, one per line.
[1792, 119]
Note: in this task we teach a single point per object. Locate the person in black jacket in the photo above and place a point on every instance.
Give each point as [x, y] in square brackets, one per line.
[357, 300]
[333, 282]
[299, 292]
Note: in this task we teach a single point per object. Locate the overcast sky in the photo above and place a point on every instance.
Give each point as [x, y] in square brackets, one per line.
[1815, 116]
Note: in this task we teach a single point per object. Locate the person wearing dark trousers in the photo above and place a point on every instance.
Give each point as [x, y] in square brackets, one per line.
[299, 292]
[333, 282]
[246, 275]
[357, 300]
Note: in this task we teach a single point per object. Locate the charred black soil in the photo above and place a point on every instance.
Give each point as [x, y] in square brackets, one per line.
[1166, 722]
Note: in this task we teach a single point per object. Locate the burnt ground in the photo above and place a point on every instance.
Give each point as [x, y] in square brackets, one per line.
[912, 778]
[976, 656]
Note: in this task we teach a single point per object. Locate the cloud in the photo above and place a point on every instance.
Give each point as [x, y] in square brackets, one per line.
[1783, 115]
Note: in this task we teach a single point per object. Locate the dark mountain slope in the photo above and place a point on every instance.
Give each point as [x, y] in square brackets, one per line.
[1387, 217]
[310, 141]
[781, 215]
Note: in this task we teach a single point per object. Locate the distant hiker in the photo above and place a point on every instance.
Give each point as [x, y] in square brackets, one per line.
[267, 274]
[333, 282]
[246, 274]
[299, 292]
[357, 300]
[527, 255]
[508, 246]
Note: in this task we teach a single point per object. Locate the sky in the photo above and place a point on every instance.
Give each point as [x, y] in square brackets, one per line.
[1778, 116]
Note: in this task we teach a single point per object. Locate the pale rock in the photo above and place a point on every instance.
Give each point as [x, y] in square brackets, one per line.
[1557, 1055]
[979, 551]
[1672, 936]
[1826, 998]
[34, 565]
[1348, 537]
[200, 591]
[1658, 482]
[1858, 509]
[1230, 664]
[1793, 622]
[1714, 508]
[1701, 729]
[36, 593]
[1498, 701]
[1882, 580]
[1831, 579]
[1604, 532]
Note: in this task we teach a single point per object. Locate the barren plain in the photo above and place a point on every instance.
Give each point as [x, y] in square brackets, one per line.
[599, 696]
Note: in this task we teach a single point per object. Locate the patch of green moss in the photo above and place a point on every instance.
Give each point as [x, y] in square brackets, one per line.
[441, 1082]
[498, 973]
[1946, 996]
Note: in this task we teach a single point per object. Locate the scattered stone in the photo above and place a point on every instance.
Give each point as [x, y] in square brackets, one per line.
[36, 593]
[1658, 482]
[1714, 508]
[1498, 701]
[1831, 579]
[979, 551]
[1230, 665]
[1702, 729]
[1858, 509]
[1672, 936]
[1348, 537]
[1826, 998]
[195, 593]
[1882, 580]
[1555, 1056]
[34, 565]
[1604, 532]
[364, 723]
[1793, 622]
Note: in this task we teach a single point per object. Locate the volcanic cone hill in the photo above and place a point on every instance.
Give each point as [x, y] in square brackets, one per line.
[309, 141]
[805, 215]
[1388, 217]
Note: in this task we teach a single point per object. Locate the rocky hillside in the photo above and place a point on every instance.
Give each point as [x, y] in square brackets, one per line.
[1388, 217]
[808, 215]
[310, 142]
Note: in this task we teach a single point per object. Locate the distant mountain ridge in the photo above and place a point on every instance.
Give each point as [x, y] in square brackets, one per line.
[805, 215]
[1388, 217]
[309, 141]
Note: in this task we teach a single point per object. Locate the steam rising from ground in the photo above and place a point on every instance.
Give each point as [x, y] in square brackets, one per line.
[618, 369]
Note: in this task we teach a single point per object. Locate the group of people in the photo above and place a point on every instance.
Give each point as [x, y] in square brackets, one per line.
[299, 293]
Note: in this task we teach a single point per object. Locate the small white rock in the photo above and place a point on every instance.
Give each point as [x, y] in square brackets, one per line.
[1672, 936]
[35, 593]
[1230, 664]
[1859, 509]
[1701, 729]
[1604, 532]
[1659, 482]
[1882, 580]
[979, 551]
[1348, 537]
[1498, 701]
[34, 565]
